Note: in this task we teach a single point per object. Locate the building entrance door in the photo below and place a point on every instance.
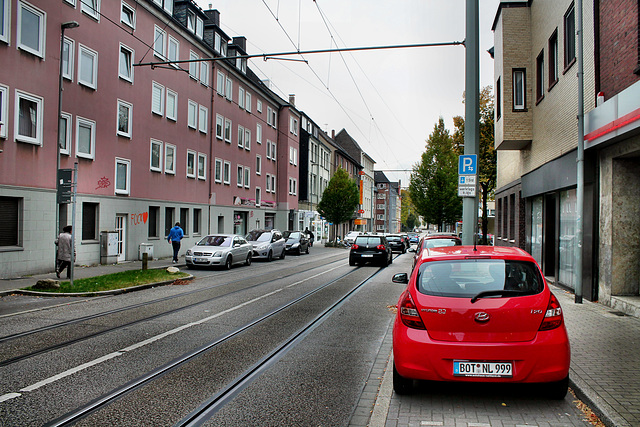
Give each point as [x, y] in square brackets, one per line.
[121, 229]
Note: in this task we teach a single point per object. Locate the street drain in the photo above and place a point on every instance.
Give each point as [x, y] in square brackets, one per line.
[618, 313]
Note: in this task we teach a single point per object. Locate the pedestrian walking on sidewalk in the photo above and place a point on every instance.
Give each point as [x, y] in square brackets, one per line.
[64, 251]
[175, 235]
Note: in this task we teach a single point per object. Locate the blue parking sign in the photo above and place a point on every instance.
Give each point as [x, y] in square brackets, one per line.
[468, 164]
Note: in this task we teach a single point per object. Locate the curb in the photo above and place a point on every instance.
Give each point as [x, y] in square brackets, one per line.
[602, 409]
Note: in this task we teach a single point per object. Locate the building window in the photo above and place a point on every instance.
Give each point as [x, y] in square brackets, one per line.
[4, 20]
[498, 99]
[128, 16]
[204, 73]
[87, 67]
[123, 176]
[240, 136]
[68, 52]
[191, 164]
[229, 91]
[569, 37]
[10, 208]
[293, 156]
[126, 63]
[259, 133]
[169, 215]
[218, 171]
[203, 119]
[191, 21]
[31, 29]
[64, 138]
[219, 126]
[553, 59]
[227, 130]
[154, 221]
[240, 175]
[226, 173]
[91, 8]
[268, 183]
[193, 66]
[159, 42]
[293, 186]
[258, 196]
[540, 77]
[85, 138]
[184, 220]
[90, 221]
[173, 51]
[192, 111]
[241, 98]
[125, 111]
[259, 106]
[258, 164]
[247, 101]
[172, 105]
[202, 166]
[157, 99]
[293, 125]
[170, 159]
[156, 156]
[519, 93]
[217, 42]
[197, 218]
[247, 139]
[512, 217]
[28, 118]
[220, 83]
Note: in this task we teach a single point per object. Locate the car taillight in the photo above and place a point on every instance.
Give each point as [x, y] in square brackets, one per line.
[380, 247]
[553, 316]
[354, 246]
[409, 313]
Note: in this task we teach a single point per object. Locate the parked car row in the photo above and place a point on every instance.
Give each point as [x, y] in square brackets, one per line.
[226, 250]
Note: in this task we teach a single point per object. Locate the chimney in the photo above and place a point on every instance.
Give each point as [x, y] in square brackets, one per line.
[241, 42]
[292, 99]
[333, 133]
[213, 16]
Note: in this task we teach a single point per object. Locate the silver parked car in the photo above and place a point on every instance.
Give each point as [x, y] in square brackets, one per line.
[267, 244]
[220, 250]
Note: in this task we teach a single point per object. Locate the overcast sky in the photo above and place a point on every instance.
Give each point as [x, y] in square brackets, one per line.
[387, 100]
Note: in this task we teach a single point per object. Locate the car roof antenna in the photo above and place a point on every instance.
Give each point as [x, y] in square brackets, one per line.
[475, 239]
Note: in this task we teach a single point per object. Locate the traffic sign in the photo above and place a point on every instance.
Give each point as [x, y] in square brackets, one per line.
[466, 191]
[468, 164]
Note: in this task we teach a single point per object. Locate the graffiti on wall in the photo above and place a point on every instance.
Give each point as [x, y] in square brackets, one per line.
[103, 182]
[140, 218]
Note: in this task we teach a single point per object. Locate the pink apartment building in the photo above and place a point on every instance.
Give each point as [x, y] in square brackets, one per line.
[205, 143]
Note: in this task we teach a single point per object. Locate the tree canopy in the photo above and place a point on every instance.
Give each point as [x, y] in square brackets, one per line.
[340, 199]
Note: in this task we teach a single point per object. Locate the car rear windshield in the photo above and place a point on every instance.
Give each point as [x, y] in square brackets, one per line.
[368, 240]
[224, 241]
[259, 236]
[469, 277]
[394, 238]
[291, 234]
[438, 243]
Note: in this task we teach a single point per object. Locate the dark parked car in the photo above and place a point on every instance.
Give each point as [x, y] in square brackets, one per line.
[373, 249]
[297, 242]
[396, 243]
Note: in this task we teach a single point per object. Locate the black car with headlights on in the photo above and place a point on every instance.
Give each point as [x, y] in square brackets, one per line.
[374, 249]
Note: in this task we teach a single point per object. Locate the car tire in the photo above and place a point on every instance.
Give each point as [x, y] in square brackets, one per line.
[391, 259]
[300, 250]
[385, 262]
[283, 253]
[401, 385]
[352, 263]
[228, 263]
[307, 251]
[189, 266]
[558, 390]
[248, 260]
[270, 256]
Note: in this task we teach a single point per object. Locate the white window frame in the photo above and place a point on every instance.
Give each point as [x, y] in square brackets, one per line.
[217, 171]
[193, 66]
[219, 126]
[153, 167]
[202, 172]
[204, 73]
[191, 21]
[220, 82]
[293, 125]
[247, 177]
[39, 101]
[247, 102]
[93, 84]
[191, 170]
[66, 149]
[172, 113]
[92, 143]
[226, 173]
[131, 52]
[247, 139]
[258, 164]
[132, 11]
[89, 10]
[259, 105]
[173, 42]
[273, 184]
[293, 186]
[192, 114]
[199, 27]
[67, 72]
[258, 196]
[240, 136]
[203, 119]
[127, 133]
[159, 36]
[273, 151]
[157, 92]
[241, 97]
[42, 29]
[268, 180]
[268, 149]
[6, 21]
[228, 126]
[240, 176]
[127, 189]
[4, 112]
[229, 89]
[258, 133]
[522, 88]
[169, 148]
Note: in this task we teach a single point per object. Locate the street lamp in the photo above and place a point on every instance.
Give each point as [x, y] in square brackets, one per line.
[63, 26]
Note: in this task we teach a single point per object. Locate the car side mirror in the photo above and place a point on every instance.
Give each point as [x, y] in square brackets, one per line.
[400, 278]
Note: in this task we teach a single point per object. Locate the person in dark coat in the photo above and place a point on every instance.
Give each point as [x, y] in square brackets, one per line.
[64, 251]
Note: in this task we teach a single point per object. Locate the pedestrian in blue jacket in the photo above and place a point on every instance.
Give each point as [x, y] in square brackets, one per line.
[175, 235]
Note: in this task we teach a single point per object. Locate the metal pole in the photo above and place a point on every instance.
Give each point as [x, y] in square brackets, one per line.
[471, 113]
[73, 222]
[580, 160]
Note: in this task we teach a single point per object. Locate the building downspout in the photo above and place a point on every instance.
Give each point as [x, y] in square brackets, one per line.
[580, 160]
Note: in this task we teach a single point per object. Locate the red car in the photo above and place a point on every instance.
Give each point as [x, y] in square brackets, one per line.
[479, 315]
[435, 241]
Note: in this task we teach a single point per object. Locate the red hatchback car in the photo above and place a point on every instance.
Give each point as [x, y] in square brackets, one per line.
[479, 315]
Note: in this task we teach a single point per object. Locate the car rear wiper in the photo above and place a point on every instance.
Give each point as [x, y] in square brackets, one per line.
[501, 292]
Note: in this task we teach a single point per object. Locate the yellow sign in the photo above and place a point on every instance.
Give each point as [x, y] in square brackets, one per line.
[361, 221]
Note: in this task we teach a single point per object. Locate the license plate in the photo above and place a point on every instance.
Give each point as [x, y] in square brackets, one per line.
[465, 368]
[367, 256]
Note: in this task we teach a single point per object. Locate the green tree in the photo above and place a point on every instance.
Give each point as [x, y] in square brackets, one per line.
[434, 180]
[340, 199]
[408, 216]
[487, 155]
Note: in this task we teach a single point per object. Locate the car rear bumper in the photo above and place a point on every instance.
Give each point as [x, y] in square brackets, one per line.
[544, 359]
[368, 257]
